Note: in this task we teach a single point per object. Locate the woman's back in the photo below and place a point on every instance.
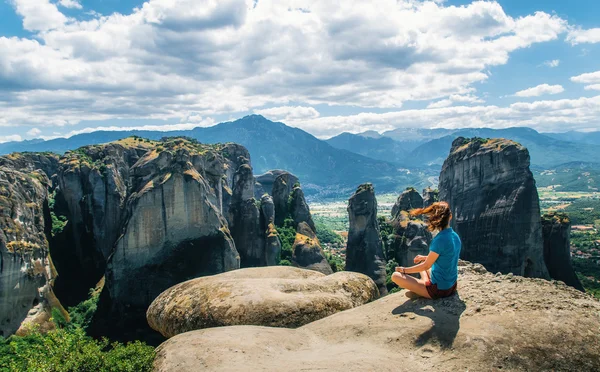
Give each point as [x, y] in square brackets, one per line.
[444, 271]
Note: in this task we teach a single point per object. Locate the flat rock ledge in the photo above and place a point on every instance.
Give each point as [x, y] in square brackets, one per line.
[495, 323]
[275, 296]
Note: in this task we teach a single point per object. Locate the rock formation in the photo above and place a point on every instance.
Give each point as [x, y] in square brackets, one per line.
[556, 229]
[430, 196]
[267, 222]
[299, 210]
[307, 251]
[364, 252]
[495, 205]
[282, 188]
[265, 182]
[271, 296]
[410, 237]
[409, 199]
[26, 271]
[496, 322]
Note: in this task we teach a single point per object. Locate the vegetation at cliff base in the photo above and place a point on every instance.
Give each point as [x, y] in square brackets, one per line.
[69, 349]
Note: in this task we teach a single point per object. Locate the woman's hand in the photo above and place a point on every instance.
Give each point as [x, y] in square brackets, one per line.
[400, 269]
[419, 259]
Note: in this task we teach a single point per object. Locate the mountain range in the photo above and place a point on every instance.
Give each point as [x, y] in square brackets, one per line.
[332, 168]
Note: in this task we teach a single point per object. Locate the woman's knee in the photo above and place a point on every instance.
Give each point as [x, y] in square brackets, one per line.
[397, 277]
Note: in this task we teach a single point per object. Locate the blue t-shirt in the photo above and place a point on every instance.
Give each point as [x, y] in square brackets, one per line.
[444, 271]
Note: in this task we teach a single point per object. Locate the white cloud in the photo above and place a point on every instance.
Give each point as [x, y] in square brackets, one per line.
[455, 98]
[161, 128]
[33, 132]
[39, 15]
[552, 63]
[592, 87]
[540, 90]
[224, 57]
[288, 113]
[14, 137]
[579, 36]
[74, 4]
[545, 116]
[588, 78]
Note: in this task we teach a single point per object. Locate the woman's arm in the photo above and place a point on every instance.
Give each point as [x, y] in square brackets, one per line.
[423, 266]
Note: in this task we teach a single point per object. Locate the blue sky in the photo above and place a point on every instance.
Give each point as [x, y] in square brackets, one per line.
[69, 66]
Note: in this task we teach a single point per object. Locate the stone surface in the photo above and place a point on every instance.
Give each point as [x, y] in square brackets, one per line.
[364, 251]
[409, 199]
[410, 238]
[267, 221]
[307, 252]
[556, 230]
[503, 322]
[276, 296]
[430, 196]
[282, 188]
[495, 205]
[26, 272]
[265, 182]
[299, 210]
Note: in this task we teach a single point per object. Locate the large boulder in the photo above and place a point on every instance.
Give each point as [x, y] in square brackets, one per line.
[409, 199]
[307, 252]
[556, 229]
[495, 204]
[495, 322]
[26, 271]
[276, 296]
[364, 251]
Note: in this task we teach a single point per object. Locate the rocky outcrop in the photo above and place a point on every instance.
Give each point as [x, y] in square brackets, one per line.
[364, 252]
[172, 231]
[409, 199]
[307, 251]
[282, 188]
[26, 271]
[299, 210]
[496, 322]
[265, 182]
[244, 220]
[430, 196]
[28, 162]
[267, 221]
[556, 230]
[272, 296]
[495, 205]
[410, 238]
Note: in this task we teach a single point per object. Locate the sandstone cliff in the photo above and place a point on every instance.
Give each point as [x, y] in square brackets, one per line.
[496, 322]
[430, 196]
[556, 229]
[307, 251]
[408, 200]
[26, 271]
[495, 205]
[409, 238]
[364, 252]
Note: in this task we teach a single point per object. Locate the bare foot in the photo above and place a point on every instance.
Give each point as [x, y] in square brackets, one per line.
[411, 295]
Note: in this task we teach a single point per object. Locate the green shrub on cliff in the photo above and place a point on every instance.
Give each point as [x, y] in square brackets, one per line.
[66, 350]
[287, 235]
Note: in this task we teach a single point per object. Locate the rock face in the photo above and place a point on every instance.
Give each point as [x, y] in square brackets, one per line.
[409, 199]
[272, 296]
[267, 222]
[430, 196]
[364, 252]
[410, 237]
[556, 228]
[26, 273]
[307, 251]
[282, 188]
[173, 231]
[495, 205]
[299, 209]
[510, 323]
[265, 182]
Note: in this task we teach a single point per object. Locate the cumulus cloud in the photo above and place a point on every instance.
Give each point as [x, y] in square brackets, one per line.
[211, 57]
[288, 113]
[74, 4]
[14, 137]
[579, 36]
[160, 128]
[587, 78]
[454, 98]
[540, 90]
[34, 132]
[545, 116]
[592, 87]
[39, 15]
[552, 63]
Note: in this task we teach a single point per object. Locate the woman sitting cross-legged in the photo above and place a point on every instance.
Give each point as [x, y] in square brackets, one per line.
[439, 269]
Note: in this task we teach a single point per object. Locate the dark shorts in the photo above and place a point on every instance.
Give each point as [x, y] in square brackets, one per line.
[436, 293]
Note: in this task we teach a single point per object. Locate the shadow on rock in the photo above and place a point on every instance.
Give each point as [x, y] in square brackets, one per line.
[445, 314]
